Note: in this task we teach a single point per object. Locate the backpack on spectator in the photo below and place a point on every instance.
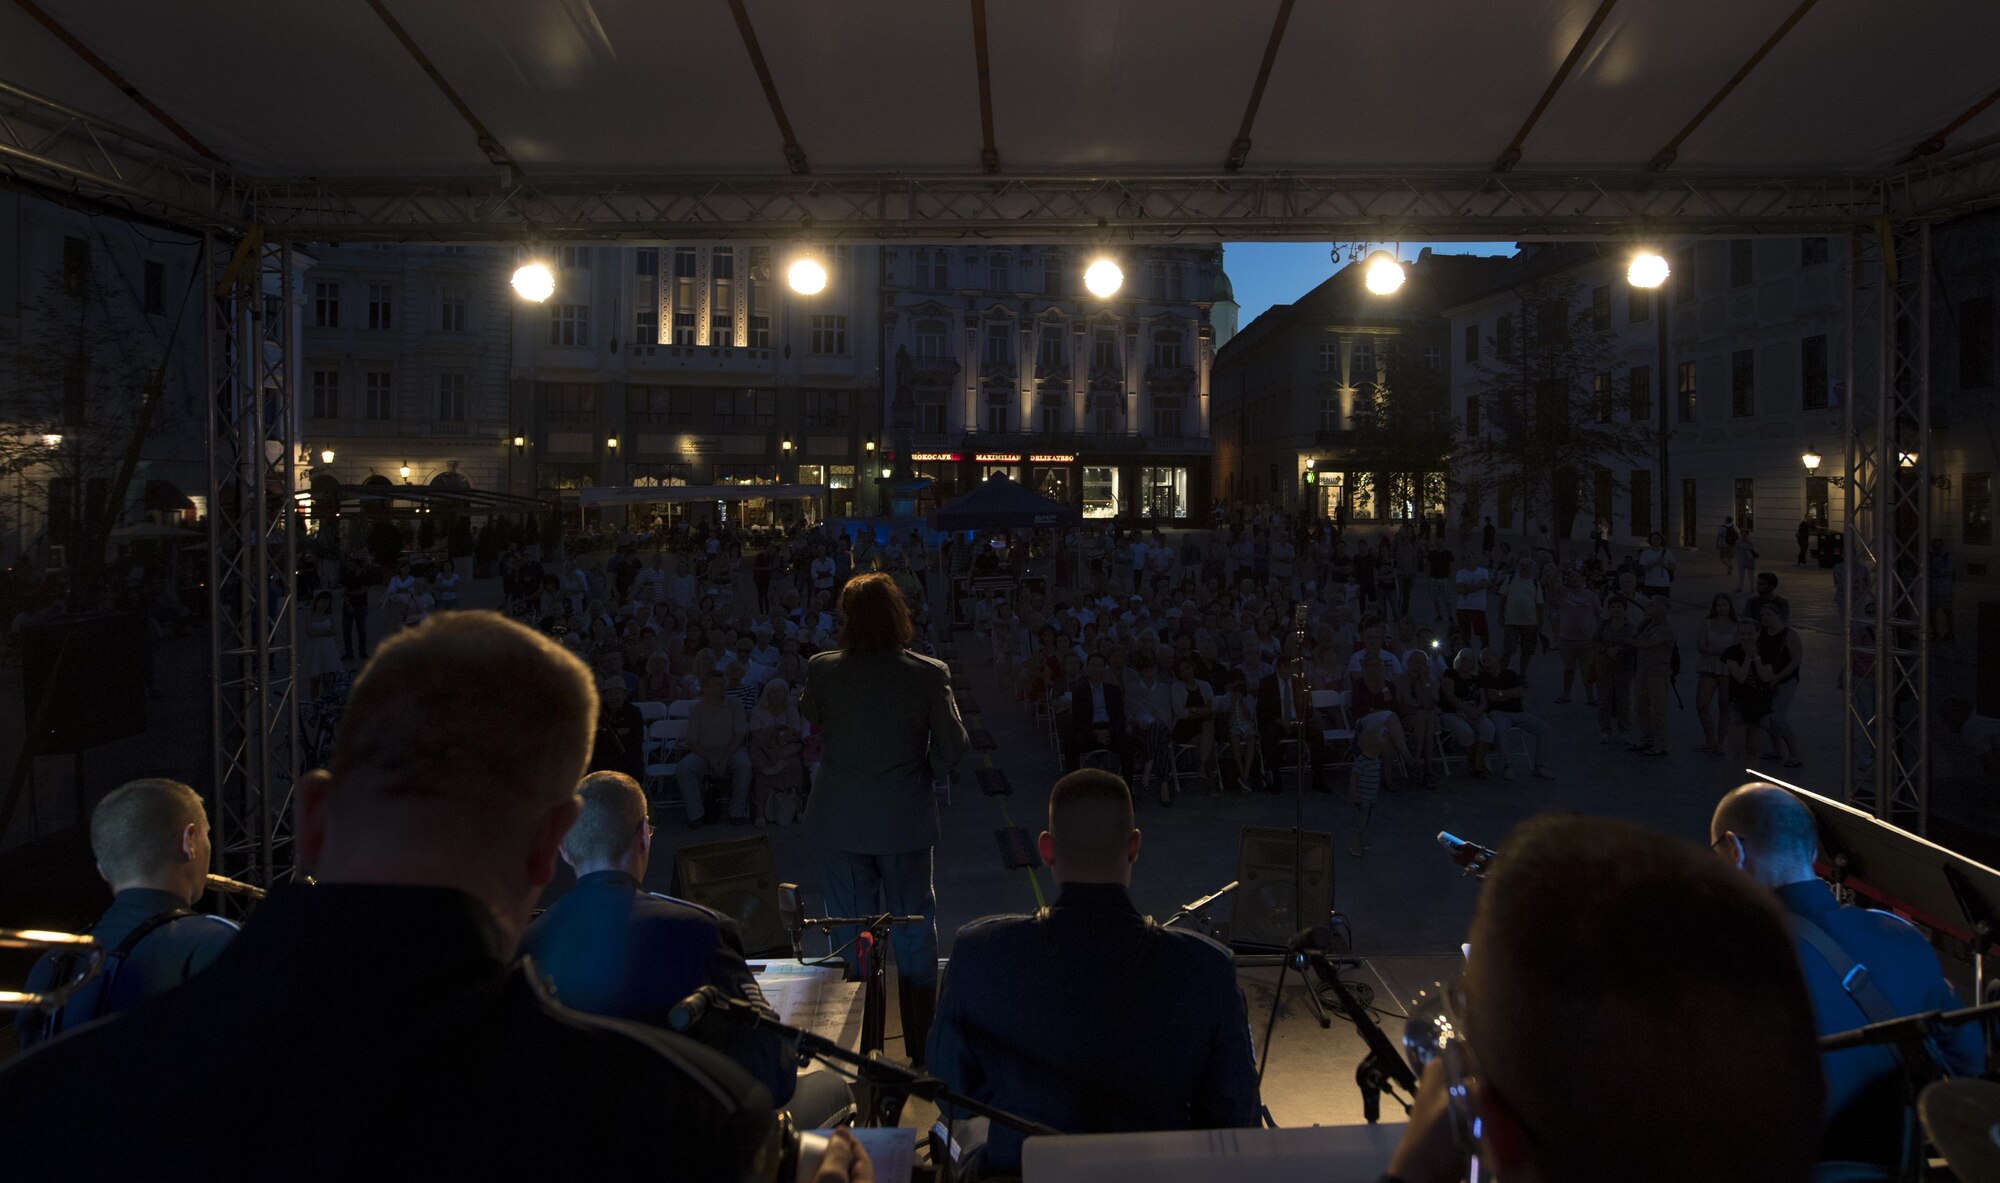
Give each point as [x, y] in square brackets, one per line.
[1729, 532]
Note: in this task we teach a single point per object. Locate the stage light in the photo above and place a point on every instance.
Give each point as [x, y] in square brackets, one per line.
[1103, 277]
[807, 276]
[534, 281]
[1906, 459]
[1382, 273]
[1811, 460]
[1648, 270]
[326, 456]
[405, 470]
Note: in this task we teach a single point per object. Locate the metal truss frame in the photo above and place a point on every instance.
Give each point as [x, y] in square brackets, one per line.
[56, 148]
[1888, 526]
[254, 725]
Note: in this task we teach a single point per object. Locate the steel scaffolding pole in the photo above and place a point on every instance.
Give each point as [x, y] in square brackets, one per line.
[252, 447]
[1885, 589]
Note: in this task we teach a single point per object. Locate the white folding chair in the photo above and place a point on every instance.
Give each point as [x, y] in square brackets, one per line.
[664, 748]
[651, 712]
[680, 709]
[1333, 703]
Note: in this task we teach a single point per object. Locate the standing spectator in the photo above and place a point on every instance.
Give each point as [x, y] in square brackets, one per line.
[1656, 566]
[717, 735]
[1725, 545]
[1578, 615]
[1505, 694]
[353, 613]
[1779, 654]
[1616, 659]
[1438, 568]
[1746, 557]
[1406, 564]
[1713, 637]
[1471, 583]
[1805, 538]
[1767, 593]
[1749, 695]
[1521, 612]
[889, 727]
[445, 586]
[1364, 787]
[1486, 536]
[1600, 541]
[1654, 645]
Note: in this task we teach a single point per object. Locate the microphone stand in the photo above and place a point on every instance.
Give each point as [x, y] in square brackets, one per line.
[874, 1008]
[1914, 1039]
[1383, 1069]
[887, 1082]
[1200, 906]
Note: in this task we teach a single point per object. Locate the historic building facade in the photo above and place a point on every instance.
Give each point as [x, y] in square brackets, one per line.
[1000, 361]
[1293, 388]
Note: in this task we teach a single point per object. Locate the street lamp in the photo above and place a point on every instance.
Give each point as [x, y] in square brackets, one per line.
[869, 444]
[1811, 459]
[405, 470]
[785, 444]
[520, 441]
[326, 456]
[611, 442]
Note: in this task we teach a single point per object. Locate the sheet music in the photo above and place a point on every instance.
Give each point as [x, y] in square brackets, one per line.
[816, 998]
[892, 1151]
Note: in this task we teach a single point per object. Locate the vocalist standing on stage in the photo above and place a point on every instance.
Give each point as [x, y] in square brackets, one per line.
[889, 728]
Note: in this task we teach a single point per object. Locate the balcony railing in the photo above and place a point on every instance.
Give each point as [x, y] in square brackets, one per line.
[1169, 377]
[932, 371]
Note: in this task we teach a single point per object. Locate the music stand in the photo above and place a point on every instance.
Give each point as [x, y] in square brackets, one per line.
[1895, 869]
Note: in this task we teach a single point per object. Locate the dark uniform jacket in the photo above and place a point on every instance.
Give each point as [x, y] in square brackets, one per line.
[371, 1032]
[888, 725]
[1082, 711]
[164, 958]
[1864, 1086]
[1092, 1019]
[611, 949]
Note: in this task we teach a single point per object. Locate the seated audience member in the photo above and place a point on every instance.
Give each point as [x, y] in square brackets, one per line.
[718, 737]
[378, 1022]
[611, 948]
[1504, 693]
[150, 839]
[1039, 1015]
[1770, 834]
[1592, 1050]
[1097, 716]
[620, 743]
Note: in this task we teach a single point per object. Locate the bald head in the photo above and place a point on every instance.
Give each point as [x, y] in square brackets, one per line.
[1766, 831]
[1570, 985]
[1090, 838]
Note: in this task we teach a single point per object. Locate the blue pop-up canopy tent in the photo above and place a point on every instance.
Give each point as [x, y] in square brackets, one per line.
[998, 503]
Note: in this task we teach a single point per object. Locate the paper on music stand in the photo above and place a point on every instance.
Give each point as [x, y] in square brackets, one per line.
[892, 1151]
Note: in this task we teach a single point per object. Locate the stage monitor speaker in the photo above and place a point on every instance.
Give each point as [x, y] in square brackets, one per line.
[83, 681]
[737, 879]
[1266, 906]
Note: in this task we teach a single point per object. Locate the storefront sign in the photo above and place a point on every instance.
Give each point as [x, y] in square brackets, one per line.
[934, 457]
[1052, 458]
[997, 457]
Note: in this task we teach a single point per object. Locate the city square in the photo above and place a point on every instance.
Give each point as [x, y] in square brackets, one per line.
[284, 394]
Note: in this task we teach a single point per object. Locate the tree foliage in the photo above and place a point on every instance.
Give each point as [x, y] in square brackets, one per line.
[1404, 428]
[1554, 416]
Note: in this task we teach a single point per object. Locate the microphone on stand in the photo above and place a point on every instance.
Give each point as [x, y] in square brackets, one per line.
[1474, 858]
[688, 1011]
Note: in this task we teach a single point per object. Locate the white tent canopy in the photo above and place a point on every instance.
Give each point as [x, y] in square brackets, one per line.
[1148, 117]
[659, 494]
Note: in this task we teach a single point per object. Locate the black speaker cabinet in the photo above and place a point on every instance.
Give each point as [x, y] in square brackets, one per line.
[1267, 910]
[1987, 688]
[83, 681]
[737, 879]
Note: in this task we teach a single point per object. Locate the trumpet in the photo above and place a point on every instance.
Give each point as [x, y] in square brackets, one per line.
[224, 883]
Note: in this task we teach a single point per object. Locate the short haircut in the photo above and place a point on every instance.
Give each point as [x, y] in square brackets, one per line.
[1773, 824]
[874, 615]
[467, 710]
[1622, 982]
[135, 832]
[613, 807]
[1767, 577]
[1090, 817]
